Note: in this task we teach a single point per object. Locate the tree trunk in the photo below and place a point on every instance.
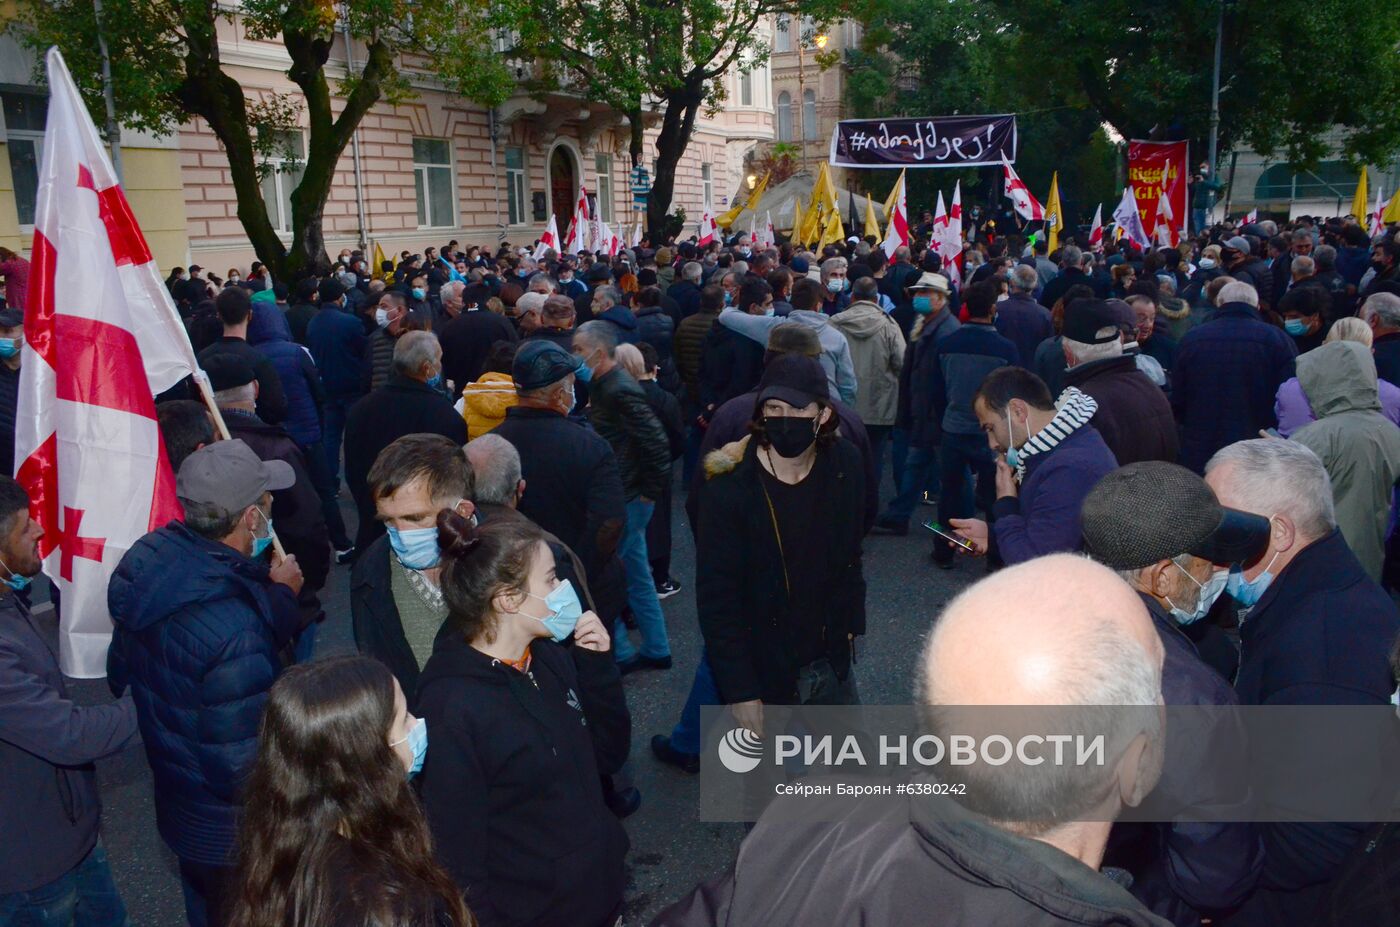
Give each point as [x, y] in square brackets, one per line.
[638, 134]
[677, 125]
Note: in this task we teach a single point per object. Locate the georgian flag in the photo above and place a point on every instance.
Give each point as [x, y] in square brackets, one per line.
[707, 229]
[549, 241]
[101, 337]
[1377, 223]
[1096, 230]
[1026, 205]
[576, 239]
[897, 229]
[1252, 217]
[953, 239]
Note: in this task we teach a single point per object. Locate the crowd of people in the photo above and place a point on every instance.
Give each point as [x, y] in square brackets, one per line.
[1178, 466]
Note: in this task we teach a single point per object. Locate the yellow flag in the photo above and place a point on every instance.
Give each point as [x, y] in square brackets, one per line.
[1053, 221]
[833, 233]
[872, 227]
[750, 202]
[823, 192]
[893, 197]
[375, 272]
[796, 233]
[1359, 207]
[1391, 212]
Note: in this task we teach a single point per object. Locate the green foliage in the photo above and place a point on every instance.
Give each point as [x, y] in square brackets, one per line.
[166, 70]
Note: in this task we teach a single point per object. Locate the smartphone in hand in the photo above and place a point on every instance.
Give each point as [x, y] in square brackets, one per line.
[956, 540]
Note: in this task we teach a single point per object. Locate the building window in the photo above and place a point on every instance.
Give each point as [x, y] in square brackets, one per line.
[782, 40]
[602, 165]
[515, 185]
[432, 181]
[707, 186]
[746, 83]
[784, 117]
[809, 115]
[285, 166]
[809, 32]
[24, 134]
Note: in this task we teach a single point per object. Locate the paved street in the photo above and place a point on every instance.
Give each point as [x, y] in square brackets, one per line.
[671, 851]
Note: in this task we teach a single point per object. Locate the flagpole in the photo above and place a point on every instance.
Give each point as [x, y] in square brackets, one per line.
[114, 132]
[206, 392]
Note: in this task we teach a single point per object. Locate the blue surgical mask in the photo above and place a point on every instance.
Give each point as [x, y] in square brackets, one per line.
[1247, 592]
[584, 374]
[923, 305]
[260, 545]
[835, 285]
[769, 311]
[1013, 454]
[417, 738]
[1210, 591]
[434, 381]
[416, 548]
[1295, 327]
[728, 298]
[9, 347]
[418, 293]
[14, 580]
[1206, 264]
[564, 610]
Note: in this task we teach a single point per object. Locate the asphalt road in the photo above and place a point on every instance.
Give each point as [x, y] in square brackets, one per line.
[671, 850]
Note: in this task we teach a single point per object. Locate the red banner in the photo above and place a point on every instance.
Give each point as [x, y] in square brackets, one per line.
[1155, 168]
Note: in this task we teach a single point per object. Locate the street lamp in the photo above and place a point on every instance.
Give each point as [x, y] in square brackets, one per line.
[821, 40]
[751, 180]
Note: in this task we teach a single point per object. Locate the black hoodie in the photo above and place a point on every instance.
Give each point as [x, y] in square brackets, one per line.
[511, 785]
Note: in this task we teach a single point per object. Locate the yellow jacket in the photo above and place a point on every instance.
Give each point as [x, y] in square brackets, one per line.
[484, 402]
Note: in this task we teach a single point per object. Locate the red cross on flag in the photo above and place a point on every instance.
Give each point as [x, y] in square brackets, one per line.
[549, 241]
[897, 227]
[708, 230]
[101, 337]
[1024, 203]
[1096, 230]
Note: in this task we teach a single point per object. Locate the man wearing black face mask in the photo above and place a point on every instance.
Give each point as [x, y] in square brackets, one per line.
[781, 598]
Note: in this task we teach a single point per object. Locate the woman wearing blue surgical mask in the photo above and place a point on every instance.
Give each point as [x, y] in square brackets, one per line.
[331, 829]
[11, 344]
[523, 724]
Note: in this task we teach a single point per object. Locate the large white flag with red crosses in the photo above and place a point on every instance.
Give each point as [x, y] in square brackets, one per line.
[101, 338]
[1022, 200]
[708, 230]
[549, 241]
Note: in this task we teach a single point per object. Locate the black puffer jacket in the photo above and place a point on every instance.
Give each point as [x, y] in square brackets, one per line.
[655, 327]
[511, 786]
[620, 413]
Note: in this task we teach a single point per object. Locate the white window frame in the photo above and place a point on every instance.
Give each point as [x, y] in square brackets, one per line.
[36, 136]
[778, 110]
[515, 187]
[707, 186]
[603, 167]
[279, 211]
[782, 38]
[745, 83]
[421, 185]
[809, 117]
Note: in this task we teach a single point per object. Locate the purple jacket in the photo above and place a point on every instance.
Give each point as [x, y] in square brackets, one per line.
[1044, 518]
[1293, 411]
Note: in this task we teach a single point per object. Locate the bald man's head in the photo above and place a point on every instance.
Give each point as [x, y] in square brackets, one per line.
[1056, 631]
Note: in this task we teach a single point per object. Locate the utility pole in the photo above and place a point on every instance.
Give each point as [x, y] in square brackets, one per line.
[1215, 90]
[114, 132]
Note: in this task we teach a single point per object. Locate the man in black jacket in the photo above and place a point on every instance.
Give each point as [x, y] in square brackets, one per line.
[575, 487]
[396, 605]
[409, 403]
[1133, 415]
[1002, 642]
[619, 411]
[467, 339]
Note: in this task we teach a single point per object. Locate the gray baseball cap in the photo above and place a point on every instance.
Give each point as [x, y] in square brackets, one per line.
[228, 474]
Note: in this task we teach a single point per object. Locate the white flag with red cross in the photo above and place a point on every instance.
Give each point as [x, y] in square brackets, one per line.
[897, 222]
[1025, 204]
[576, 239]
[101, 337]
[953, 239]
[708, 230]
[1096, 230]
[549, 241]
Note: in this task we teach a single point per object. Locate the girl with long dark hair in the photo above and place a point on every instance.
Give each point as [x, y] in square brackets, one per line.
[332, 834]
[523, 724]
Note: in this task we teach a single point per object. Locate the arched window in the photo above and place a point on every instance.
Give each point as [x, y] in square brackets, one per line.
[809, 115]
[784, 117]
[782, 41]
